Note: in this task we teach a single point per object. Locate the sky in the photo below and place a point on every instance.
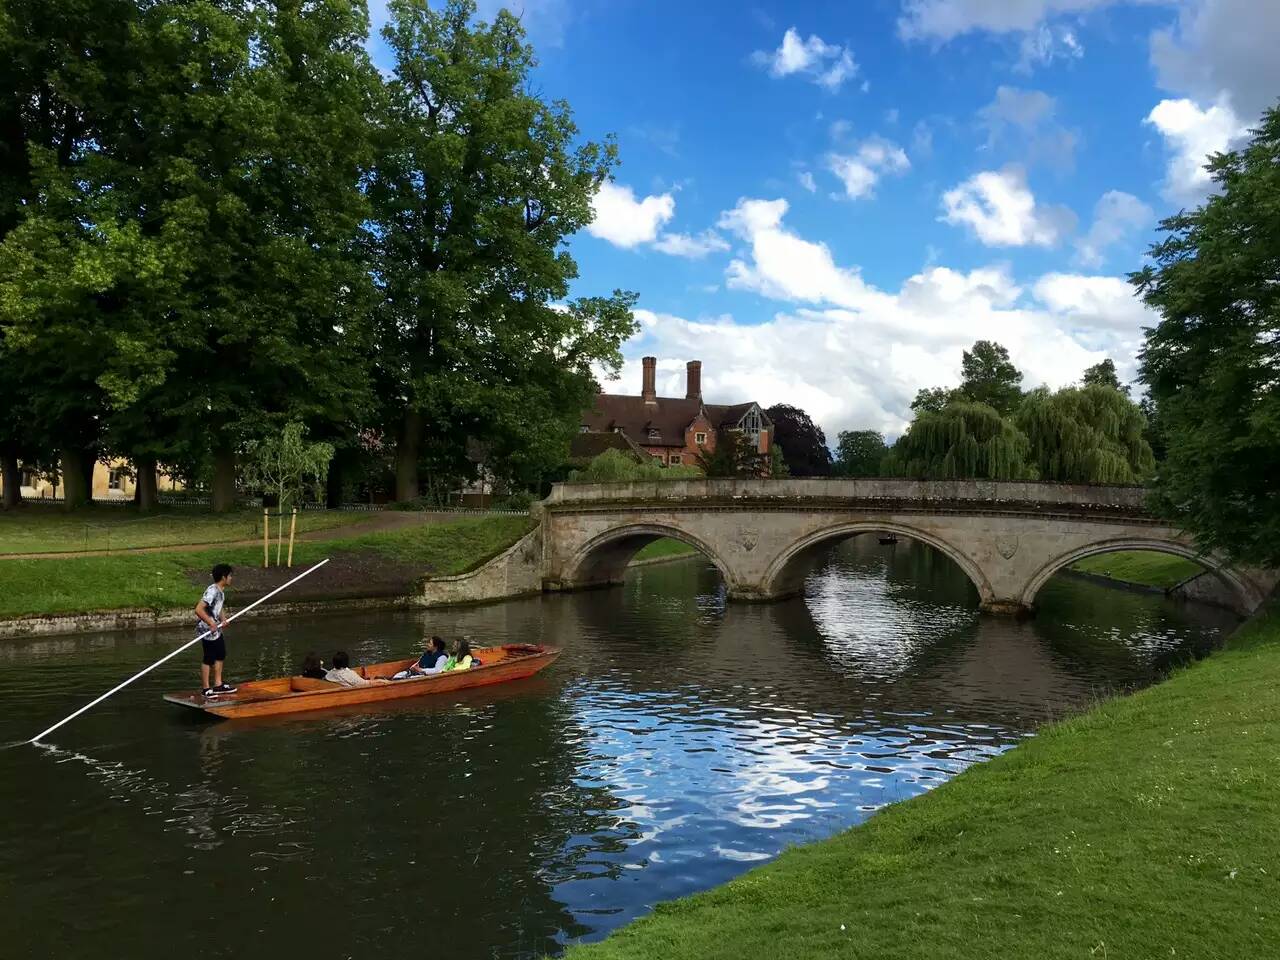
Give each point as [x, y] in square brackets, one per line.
[827, 202]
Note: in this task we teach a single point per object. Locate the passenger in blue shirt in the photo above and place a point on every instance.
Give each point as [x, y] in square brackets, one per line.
[430, 662]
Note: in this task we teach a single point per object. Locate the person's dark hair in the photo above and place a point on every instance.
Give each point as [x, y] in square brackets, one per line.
[437, 644]
[464, 649]
[221, 570]
[312, 662]
[340, 660]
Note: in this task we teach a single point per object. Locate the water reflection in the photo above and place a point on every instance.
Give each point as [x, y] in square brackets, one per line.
[676, 742]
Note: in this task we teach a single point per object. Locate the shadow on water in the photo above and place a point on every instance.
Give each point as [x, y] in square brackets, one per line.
[677, 741]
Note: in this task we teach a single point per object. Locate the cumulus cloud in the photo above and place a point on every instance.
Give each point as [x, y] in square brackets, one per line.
[999, 207]
[691, 247]
[1116, 216]
[827, 64]
[1190, 134]
[854, 355]
[1222, 49]
[943, 20]
[625, 221]
[859, 171]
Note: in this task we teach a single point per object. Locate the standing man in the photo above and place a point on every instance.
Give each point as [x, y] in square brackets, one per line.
[210, 616]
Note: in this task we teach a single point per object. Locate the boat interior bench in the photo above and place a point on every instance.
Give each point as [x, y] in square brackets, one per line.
[308, 684]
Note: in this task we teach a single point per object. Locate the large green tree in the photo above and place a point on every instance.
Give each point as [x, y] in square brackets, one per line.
[987, 375]
[859, 453]
[1092, 434]
[478, 184]
[964, 440]
[1104, 374]
[804, 445]
[1212, 363]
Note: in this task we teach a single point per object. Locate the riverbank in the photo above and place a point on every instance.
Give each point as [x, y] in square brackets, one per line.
[386, 564]
[1141, 828]
[1160, 571]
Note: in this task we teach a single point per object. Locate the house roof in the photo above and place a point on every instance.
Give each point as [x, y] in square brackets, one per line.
[670, 416]
[588, 446]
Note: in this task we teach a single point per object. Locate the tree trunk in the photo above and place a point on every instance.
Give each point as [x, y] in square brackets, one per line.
[333, 483]
[12, 480]
[75, 491]
[407, 447]
[224, 479]
[146, 492]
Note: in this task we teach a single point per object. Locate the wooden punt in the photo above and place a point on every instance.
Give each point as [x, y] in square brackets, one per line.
[259, 698]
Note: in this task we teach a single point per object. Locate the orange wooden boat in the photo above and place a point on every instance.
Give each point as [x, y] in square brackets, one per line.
[259, 698]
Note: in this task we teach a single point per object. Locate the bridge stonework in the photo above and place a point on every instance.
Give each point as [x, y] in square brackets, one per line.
[1008, 537]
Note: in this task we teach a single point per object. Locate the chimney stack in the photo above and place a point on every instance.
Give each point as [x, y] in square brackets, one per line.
[694, 389]
[649, 389]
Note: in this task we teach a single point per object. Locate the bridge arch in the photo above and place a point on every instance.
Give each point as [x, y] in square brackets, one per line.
[604, 558]
[1247, 594]
[785, 575]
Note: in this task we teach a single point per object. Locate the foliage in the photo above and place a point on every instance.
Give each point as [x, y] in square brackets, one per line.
[987, 376]
[735, 455]
[1091, 434]
[933, 399]
[1107, 833]
[615, 466]
[1212, 364]
[803, 443]
[778, 461]
[964, 440]
[1104, 374]
[859, 453]
[288, 466]
[478, 183]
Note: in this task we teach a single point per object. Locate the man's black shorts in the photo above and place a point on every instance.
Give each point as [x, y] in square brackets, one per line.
[215, 649]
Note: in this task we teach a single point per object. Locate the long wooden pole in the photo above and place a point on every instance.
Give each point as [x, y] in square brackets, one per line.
[266, 534]
[279, 533]
[293, 524]
[170, 656]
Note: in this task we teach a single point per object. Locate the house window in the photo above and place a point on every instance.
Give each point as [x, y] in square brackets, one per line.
[584, 429]
[28, 478]
[617, 429]
[655, 434]
[674, 459]
[115, 478]
[700, 438]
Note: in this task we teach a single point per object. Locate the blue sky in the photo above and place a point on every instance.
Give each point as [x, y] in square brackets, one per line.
[827, 202]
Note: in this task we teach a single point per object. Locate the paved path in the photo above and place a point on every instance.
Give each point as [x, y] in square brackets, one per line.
[381, 522]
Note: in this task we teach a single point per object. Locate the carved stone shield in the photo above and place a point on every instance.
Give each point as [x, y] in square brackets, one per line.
[749, 539]
[1007, 546]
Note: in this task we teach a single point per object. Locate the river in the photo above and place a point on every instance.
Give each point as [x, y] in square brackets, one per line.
[678, 741]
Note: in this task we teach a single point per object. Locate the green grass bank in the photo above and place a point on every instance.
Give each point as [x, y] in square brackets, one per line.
[1144, 567]
[1143, 828]
[663, 549]
[160, 581]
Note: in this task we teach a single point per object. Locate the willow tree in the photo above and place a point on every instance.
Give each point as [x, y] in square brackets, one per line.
[1092, 434]
[964, 440]
[478, 183]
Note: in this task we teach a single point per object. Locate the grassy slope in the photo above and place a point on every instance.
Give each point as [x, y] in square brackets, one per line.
[157, 580]
[1144, 567]
[1146, 827]
[662, 549]
[49, 530]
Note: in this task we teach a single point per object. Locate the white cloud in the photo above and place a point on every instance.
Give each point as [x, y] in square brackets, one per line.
[691, 247]
[1116, 216]
[625, 221]
[1094, 303]
[826, 64]
[1222, 49]
[1001, 210]
[807, 181]
[1191, 134]
[860, 170]
[1025, 119]
[944, 20]
[1042, 46]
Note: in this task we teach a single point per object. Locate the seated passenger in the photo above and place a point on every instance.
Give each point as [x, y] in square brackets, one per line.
[461, 659]
[431, 661]
[344, 675]
[313, 666]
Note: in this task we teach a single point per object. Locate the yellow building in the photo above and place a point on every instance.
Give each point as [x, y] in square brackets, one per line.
[111, 481]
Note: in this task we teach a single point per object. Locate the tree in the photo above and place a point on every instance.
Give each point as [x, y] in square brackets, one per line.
[287, 466]
[859, 453]
[963, 441]
[1104, 374]
[478, 183]
[734, 455]
[616, 466]
[988, 376]
[1091, 434]
[804, 445]
[933, 399]
[1212, 363]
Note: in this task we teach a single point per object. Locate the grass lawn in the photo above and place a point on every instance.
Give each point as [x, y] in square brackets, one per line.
[1146, 827]
[158, 581]
[662, 549]
[1144, 567]
[49, 530]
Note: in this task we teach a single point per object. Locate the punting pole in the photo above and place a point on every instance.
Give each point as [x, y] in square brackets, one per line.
[170, 656]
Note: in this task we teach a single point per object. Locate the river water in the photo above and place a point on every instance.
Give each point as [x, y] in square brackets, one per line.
[678, 741]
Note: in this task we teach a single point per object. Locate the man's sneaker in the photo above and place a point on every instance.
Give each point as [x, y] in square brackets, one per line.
[210, 692]
[224, 688]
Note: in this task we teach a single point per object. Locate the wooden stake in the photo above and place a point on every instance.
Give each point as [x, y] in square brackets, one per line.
[266, 528]
[279, 533]
[293, 523]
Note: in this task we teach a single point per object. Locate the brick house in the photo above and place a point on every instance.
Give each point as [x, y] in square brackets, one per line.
[674, 430]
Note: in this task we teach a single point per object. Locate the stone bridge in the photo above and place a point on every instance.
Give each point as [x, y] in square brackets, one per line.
[1008, 537]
